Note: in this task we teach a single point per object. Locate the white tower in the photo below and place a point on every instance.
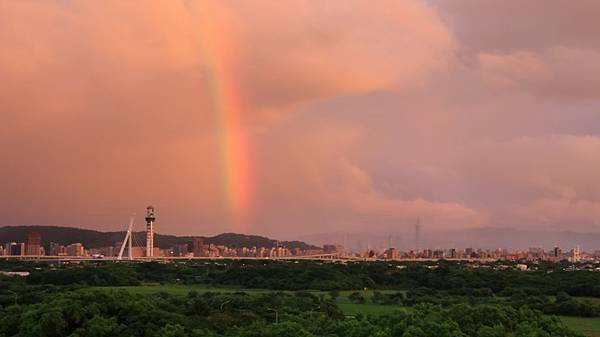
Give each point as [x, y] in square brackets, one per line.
[127, 240]
[150, 231]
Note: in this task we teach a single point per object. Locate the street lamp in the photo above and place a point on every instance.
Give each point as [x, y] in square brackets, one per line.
[276, 315]
[16, 295]
[310, 312]
[222, 304]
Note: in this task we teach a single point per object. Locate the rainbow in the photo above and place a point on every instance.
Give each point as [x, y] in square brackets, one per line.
[226, 104]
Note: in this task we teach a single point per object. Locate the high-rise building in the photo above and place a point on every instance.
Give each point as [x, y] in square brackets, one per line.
[75, 249]
[392, 253]
[557, 252]
[150, 218]
[198, 247]
[14, 249]
[576, 254]
[181, 249]
[55, 249]
[137, 251]
[34, 240]
[261, 252]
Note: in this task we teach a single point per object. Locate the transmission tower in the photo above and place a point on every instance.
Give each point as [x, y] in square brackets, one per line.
[417, 234]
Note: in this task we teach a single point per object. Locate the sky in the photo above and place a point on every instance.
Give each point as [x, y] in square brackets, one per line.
[295, 117]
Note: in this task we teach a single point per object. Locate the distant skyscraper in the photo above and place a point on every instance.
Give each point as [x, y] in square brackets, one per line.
[198, 247]
[557, 251]
[34, 240]
[150, 218]
[15, 249]
[75, 249]
[54, 249]
[576, 254]
[417, 234]
[392, 253]
[469, 252]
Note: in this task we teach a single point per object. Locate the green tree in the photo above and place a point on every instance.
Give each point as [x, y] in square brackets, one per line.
[171, 330]
[99, 326]
[356, 297]
[334, 294]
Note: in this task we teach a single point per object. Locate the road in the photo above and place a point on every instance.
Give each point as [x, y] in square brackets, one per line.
[321, 257]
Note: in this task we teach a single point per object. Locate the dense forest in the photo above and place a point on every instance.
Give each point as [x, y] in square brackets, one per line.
[443, 299]
[549, 279]
[94, 314]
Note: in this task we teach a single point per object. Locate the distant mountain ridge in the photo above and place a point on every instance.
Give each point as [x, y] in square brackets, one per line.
[513, 238]
[95, 239]
[482, 237]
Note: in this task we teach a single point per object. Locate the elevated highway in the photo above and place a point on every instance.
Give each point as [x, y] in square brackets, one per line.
[319, 257]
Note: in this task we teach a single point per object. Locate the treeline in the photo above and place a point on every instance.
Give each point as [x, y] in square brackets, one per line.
[447, 284]
[119, 313]
[453, 277]
[562, 304]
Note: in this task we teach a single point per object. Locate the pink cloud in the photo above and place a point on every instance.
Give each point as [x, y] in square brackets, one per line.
[358, 113]
[513, 69]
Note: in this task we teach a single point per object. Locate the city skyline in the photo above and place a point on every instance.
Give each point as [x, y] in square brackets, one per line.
[196, 248]
[132, 243]
[347, 117]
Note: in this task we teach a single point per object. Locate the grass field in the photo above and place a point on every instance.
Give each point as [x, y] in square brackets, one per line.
[591, 299]
[342, 301]
[587, 326]
[183, 290]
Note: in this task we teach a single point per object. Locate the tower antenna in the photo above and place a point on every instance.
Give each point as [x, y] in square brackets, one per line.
[417, 234]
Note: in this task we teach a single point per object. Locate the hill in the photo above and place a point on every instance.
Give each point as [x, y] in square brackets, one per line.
[95, 239]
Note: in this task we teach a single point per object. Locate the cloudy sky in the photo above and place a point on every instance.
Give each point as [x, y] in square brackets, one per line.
[295, 117]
